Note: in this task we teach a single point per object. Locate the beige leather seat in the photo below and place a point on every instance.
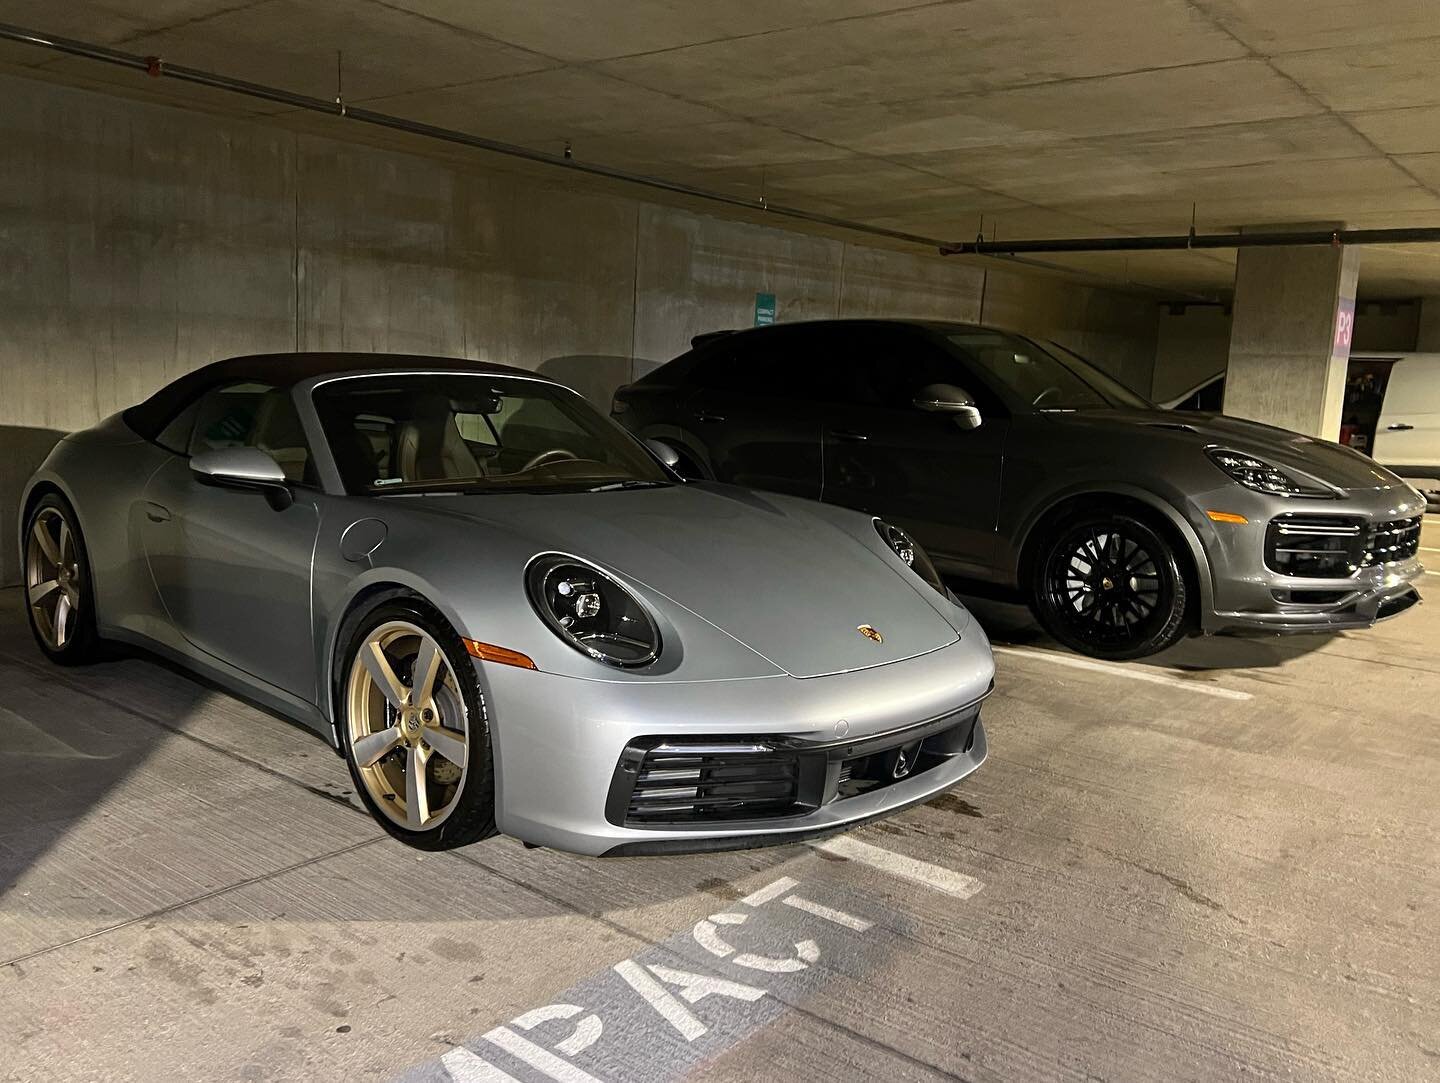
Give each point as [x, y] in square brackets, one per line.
[430, 447]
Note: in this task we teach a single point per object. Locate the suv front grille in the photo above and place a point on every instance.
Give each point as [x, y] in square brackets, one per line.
[1335, 546]
[1399, 539]
[1314, 546]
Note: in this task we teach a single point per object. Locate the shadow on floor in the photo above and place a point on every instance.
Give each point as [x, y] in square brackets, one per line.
[1008, 622]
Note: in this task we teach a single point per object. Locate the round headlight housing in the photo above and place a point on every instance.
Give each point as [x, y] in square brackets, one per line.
[591, 612]
[908, 550]
[1259, 475]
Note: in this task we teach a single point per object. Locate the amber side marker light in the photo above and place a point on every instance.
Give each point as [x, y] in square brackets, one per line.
[1227, 517]
[488, 652]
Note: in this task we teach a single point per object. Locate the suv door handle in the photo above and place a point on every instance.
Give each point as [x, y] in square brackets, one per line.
[850, 437]
[156, 513]
[709, 418]
[1399, 426]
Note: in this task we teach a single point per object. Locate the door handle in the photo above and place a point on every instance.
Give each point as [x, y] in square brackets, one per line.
[156, 513]
[1399, 426]
[850, 437]
[709, 418]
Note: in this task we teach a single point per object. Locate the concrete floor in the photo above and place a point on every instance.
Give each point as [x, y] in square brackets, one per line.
[1226, 866]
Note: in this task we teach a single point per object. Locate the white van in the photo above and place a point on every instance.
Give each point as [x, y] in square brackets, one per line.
[1407, 431]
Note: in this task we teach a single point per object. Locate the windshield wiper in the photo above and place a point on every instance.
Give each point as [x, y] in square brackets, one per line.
[632, 483]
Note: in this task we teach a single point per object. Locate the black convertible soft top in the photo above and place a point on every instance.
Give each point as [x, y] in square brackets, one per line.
[284, 370]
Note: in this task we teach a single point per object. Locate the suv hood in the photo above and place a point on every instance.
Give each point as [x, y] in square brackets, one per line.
[786, 581]
[1333, 464]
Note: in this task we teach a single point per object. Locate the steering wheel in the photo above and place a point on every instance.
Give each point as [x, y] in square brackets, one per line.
[1042, 396]
[551, 455]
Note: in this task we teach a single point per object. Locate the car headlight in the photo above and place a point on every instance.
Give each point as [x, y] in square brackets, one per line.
[908, 550]
[591, 612]
[1259, 475]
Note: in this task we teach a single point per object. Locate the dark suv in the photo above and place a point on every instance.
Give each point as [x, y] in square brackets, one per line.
[1016, 462]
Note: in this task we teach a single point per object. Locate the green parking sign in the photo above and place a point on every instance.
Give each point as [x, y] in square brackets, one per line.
[764, 309]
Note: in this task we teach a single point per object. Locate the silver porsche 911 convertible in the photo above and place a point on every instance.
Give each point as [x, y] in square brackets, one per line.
[504, 610]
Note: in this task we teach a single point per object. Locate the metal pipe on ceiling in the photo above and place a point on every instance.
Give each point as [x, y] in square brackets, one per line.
[159, 68]
[1181, 241]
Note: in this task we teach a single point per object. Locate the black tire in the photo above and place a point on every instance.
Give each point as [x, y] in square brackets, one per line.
[1106, 583]
[79, 644]
[472, 816]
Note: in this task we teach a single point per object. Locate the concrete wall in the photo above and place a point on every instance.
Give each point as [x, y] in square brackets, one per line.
[1192, 345]
[138, 242]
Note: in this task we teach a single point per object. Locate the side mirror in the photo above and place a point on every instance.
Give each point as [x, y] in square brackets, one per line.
[243, 468]
[949, 399]
[664, 452]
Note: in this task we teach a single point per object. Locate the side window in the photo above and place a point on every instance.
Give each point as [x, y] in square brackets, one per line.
[175, 436]
[889, 369]
[775, 364]
[254, 415]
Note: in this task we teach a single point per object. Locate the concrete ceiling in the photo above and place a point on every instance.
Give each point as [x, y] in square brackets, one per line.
[1037, 118]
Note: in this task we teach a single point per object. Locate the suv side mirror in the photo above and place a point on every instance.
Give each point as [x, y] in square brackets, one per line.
[949, 399]
[664, 452]
[243, 468]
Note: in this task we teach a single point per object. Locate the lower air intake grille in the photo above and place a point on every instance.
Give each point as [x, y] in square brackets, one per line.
[1399, 539]
[1314, 546]
[686, 783]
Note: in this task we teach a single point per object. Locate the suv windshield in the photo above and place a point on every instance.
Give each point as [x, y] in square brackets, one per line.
[1047, 377]
[474, 433]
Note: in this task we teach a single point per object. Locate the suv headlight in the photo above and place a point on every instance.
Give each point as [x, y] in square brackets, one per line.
[1261, 476]
[591, 612]
[908, 550]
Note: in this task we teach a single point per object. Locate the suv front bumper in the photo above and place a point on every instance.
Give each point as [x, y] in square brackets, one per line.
[1250, 594]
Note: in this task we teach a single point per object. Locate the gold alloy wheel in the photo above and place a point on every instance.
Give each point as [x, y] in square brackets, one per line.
[52, 578]
[409, 730]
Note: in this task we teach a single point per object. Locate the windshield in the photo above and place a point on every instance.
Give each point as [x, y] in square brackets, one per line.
[1047, 377]
[401, 432]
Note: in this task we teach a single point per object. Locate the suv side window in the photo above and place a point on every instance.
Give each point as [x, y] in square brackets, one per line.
[254, 415]
[888, 367]
[780, 363]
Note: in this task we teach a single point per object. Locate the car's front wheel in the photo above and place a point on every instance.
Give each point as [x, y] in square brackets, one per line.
[413, 725]
[59, 598]
[1107, 584]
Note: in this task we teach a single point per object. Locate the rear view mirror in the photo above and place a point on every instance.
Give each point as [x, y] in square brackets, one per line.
[949, 399]
[242, 468]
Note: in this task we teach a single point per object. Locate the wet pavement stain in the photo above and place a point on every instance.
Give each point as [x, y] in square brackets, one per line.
[721, 889]
[948, 802]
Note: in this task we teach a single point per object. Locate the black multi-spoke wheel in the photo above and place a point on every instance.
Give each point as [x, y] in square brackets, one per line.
[1108, 585]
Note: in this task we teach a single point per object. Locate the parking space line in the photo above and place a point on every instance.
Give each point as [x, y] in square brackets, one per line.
[770, 891]
[906, 868]
[839, 917]
[1121, 671]
[1429, 549]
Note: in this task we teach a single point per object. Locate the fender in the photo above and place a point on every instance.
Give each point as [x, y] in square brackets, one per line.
[1100, 490]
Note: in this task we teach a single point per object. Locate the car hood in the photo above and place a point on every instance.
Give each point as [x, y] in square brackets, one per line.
[1328, 462]
[777, 574]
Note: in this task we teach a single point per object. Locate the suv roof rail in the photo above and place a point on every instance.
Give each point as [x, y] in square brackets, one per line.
[702, 339]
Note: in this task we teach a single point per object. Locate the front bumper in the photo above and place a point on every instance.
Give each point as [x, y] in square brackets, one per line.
[1251, 595]
[559, 741]
[1388, 592]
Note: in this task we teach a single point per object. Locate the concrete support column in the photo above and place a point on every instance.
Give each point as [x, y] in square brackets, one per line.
[1290, 336]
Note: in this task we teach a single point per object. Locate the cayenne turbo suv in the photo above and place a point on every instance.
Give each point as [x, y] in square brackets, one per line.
[1017, 463]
